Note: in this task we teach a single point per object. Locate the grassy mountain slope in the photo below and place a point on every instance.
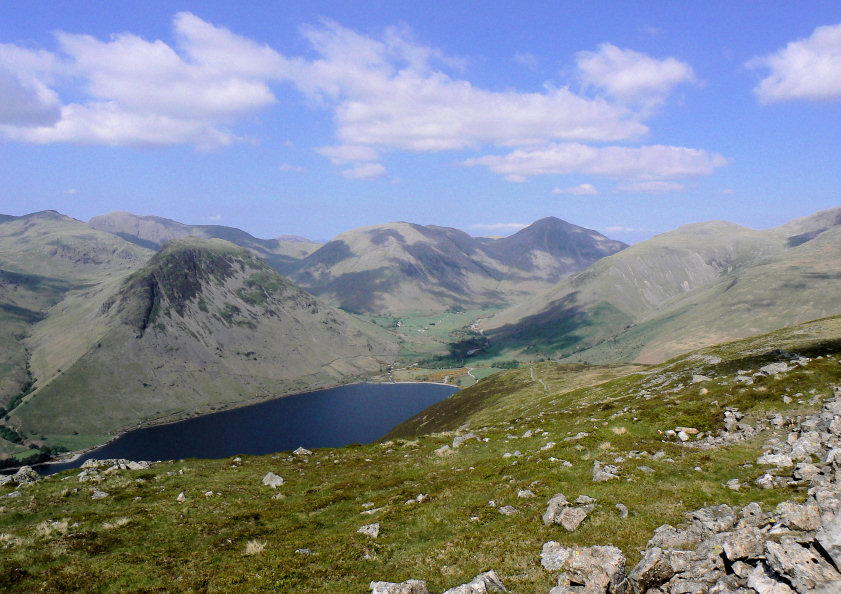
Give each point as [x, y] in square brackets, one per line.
[141, 537]
[403, 267]
[202, 325]
[43, 256]
[698, 285]
[152, 232]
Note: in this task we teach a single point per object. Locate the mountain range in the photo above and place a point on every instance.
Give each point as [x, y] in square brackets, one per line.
[130, 320]
[699, 285]
[401, 267]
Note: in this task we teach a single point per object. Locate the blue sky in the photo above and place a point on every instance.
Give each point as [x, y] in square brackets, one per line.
[314, 118]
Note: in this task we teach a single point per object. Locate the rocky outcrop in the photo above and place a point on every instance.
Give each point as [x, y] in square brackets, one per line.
[586, 569]
[795, 548]
[25, 475]
[559, 511]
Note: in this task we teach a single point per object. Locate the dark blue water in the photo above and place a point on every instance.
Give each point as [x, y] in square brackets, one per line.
[359, 413]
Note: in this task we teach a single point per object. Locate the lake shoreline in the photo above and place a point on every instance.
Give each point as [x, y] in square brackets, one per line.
[71, 457]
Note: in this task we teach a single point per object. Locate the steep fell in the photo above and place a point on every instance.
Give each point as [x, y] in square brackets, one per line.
[204, 324]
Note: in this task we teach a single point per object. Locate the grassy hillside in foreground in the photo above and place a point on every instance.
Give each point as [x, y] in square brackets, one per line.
[304, 537]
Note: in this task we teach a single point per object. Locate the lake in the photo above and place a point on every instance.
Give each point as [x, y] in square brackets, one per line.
[336, 417]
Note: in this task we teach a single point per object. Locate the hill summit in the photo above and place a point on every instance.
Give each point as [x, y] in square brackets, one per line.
[400, 267]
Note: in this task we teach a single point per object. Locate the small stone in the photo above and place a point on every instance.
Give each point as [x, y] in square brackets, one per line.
[272, 480]
[653, 569]
[623, 510]
[733, 484]
[744, 544]
[773, 368]
[484, 583]
[302, 451]
[371, 530]
[554, 508]
[26, 475]
[407, 587]
[765, 581]
[584, 500]
[829, 538]
[508, 510]
[444, 450]
[571, 518]
[800, 517]
[553, 555]
[97, 494]
[525, 494]
[803, 568]
[778, 460]
[305, 551]
[460, 439]
[181, 497]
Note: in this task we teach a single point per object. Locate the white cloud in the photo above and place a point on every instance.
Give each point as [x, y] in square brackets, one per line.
[107, 124]
[147, 93]
[292, 168]
[216, 217]
[805, 69]
[365, 171]
[642, 163]
[652, 187]
[389, 93]
[503, 227]
[70, 191]
[632, 77]
[579, 190]
[394, 94]
[728, 192]
[26, 103]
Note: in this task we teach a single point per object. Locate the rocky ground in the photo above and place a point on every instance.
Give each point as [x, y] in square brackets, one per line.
[719, 550]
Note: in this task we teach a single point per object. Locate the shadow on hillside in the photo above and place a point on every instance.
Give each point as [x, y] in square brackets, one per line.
[563, 327]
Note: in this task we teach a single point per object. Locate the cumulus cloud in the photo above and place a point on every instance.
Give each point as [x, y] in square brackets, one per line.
[805, 69]
[395, 93]
[632, 77]
[385, 93]
[643, 163]
[652, 187]
[579, 190]
[28, 103]
[147, 93]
